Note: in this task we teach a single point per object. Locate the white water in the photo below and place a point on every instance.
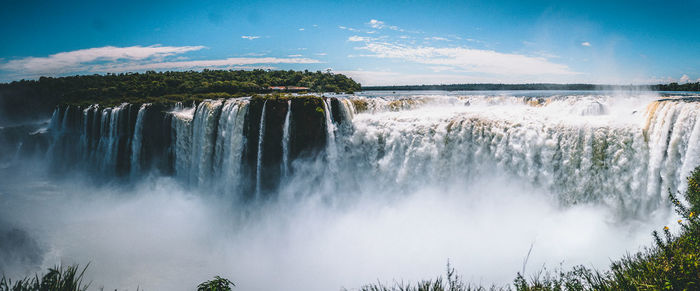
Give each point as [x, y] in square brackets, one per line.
[625, 151]
[182, 126]
[476, 179]
[230, 143]
[612, 158]
[203, 140]
[258, 165]
[136, 144]
[285, 139]
[331, 149]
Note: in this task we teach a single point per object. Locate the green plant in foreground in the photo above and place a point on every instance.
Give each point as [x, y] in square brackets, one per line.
[57, 279]
[451, 282]
[217, 284]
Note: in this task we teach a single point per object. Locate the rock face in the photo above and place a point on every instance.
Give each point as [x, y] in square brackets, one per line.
[22, 141]
[250, 140]
[307, 137]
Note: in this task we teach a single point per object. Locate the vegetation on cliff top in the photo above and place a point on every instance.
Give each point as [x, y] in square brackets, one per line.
[36, 97]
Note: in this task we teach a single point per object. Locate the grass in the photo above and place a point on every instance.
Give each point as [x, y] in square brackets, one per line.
[452, 282]
[56, 279]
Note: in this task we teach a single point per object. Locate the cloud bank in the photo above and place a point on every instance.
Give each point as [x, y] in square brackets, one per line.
[467, 60]
[129, 59]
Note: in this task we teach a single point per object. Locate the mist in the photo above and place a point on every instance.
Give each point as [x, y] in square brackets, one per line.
[159, 235]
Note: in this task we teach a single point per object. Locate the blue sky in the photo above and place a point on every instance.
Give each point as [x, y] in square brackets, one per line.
[377, 43]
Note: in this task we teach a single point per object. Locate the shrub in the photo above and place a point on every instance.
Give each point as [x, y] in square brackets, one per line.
[217, 284]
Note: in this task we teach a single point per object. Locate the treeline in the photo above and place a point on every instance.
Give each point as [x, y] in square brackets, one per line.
[33, 98]
[539, 86]
[678, 87]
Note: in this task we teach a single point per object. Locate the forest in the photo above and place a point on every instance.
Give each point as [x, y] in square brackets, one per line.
[27, 99]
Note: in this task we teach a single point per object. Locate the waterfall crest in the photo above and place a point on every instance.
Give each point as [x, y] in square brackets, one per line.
[585, 148]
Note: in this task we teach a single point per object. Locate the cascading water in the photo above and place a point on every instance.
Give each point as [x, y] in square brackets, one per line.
[136, 142]
[182, 147]
[112, 142]
[230, 143]
[285, 139]
[621, 151]
[204, 135]
[331, 147]
[258, 165]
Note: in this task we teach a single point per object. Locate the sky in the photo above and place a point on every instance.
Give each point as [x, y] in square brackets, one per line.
[374, 42]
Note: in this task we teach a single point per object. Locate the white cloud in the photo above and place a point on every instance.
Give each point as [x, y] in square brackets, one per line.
[438, 69]
[321, 54]
[250, 37]
[67, 61]
[301, 29]
[585, 43]
[465, 59]
[201, 64]
[348, 28]
[356, 38]
[437, 38]
[378, 24]
[294, 56]
[379, 78]
[129, 59]
[684, 79]
[547, 55]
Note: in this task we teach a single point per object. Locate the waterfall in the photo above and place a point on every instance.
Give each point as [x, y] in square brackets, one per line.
[349, 109]
[285, 140]
[230, 143]
[258, 167]
[84, 146]
[204, 135]
[95, 133]
[331, 148]
[182, 143]
[584, 149]
[103, 141]
[208, 142]
[136, 141]
[597, 158]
